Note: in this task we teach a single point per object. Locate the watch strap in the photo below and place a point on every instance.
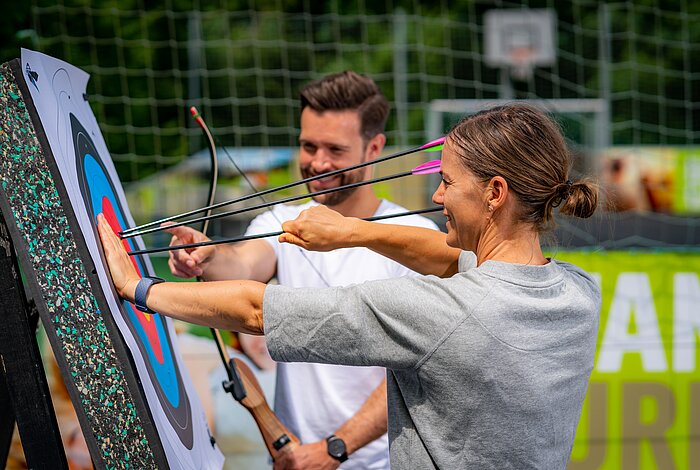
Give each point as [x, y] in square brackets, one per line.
[142, 291]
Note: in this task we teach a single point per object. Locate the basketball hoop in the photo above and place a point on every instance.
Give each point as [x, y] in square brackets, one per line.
[521, 62]
[520, 40]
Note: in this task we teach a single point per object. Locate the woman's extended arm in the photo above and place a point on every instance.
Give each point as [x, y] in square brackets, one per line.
[232, 305]
[420, 249]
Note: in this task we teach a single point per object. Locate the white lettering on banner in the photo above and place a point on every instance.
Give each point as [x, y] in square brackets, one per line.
[686, 320]
[632, 301]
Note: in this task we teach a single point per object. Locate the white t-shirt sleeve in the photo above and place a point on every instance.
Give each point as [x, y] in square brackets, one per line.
[467, 261]
[265, 223]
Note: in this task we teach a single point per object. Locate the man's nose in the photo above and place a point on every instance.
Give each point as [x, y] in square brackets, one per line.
[321, 161]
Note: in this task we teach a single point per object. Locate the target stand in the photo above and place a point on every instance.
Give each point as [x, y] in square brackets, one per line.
[40, 234]
[24, 391]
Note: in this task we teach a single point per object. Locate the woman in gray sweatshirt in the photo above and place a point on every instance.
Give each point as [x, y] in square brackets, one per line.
[488, 354]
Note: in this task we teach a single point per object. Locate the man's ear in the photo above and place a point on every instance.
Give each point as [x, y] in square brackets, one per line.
[375, 146]
[498, 187]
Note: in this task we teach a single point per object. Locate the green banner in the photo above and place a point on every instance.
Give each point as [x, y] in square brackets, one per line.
[642, 410]
[687, 177]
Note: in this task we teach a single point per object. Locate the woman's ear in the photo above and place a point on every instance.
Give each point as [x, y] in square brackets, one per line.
[498, 187]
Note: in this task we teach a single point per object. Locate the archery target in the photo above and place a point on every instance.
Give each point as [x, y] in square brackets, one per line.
[90, 179]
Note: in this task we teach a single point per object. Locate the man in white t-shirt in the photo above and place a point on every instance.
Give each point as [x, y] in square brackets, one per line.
[338, 412]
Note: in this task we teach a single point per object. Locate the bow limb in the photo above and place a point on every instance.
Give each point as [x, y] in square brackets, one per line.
[214, 166]
[205, 226]
[241, 382]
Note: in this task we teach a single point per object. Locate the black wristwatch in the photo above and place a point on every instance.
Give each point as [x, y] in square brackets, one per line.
[336, 448]
[142, 291]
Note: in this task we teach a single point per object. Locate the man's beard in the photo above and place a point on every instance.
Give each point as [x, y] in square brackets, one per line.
[336, 197]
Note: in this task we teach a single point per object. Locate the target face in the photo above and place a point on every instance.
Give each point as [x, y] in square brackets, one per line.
[149, 330]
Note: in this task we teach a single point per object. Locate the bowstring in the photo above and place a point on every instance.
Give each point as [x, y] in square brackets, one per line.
[270, 210]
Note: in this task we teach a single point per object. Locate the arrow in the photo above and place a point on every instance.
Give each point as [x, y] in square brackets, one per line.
[269, 234]
[431, 146]
[432, 166]
[427, 168]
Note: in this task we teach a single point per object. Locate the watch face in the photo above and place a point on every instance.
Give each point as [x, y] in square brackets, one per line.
[336, 447]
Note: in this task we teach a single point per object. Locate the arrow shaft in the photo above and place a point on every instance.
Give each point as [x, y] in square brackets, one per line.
[126, 232]
[269, 204]
[268, 234]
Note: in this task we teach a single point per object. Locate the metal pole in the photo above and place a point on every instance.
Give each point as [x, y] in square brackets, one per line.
[505, 86]
[603, 132]
[604, 139]
[400, 71]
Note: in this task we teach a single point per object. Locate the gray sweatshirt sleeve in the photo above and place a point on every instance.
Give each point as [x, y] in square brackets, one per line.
[392, 323]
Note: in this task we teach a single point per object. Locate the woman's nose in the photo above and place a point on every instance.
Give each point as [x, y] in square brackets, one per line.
[438, 195]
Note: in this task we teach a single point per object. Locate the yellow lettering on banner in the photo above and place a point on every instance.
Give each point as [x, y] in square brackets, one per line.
[636, 431]
[694, 431]
[596, 418]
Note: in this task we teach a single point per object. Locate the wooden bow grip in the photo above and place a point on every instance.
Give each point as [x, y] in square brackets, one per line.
[278, 439]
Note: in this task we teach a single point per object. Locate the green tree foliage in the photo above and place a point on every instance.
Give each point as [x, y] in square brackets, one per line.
[251, 58]
[15, 31]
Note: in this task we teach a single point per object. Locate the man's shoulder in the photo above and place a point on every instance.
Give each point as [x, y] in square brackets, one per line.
[292, 210]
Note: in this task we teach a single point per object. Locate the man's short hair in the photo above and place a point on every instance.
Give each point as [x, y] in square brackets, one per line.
[349, 91]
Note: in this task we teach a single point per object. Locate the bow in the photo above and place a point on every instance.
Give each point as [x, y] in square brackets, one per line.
[241, 383]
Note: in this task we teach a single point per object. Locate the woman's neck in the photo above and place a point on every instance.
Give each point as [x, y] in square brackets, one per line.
[520, 245]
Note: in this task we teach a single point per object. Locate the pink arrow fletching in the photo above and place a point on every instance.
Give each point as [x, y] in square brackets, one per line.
[433, 166]
[434, 143]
